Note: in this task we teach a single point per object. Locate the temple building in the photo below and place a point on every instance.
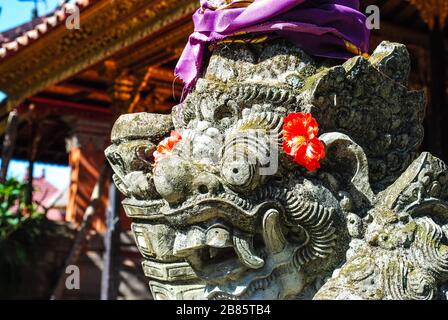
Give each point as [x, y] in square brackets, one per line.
[66, 86]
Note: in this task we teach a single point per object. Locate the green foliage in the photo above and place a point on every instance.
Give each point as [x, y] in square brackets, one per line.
[14, 213]
[21, 227]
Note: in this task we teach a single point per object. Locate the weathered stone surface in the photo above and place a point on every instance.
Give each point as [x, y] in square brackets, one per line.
[393, 60]
[403, 250]
[141, 126]
[229, 216]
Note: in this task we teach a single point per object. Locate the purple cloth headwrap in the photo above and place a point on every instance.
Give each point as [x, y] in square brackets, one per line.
[319, 27]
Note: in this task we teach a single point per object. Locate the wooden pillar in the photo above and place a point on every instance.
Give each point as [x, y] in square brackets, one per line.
[111, 259]
[86, 156]
[9, 142]
[33, 150]
[82, 236]
[436, 135]
[29, 187]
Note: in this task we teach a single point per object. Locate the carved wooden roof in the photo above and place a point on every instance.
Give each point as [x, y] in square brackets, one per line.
[107, 26]
[72, 74]
[17, 38]
[432, 11]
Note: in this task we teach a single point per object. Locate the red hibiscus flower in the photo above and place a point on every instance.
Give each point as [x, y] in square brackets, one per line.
[166, 146]
[300, 140]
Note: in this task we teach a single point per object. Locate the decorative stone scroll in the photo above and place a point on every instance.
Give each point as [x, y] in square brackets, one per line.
[228, 215]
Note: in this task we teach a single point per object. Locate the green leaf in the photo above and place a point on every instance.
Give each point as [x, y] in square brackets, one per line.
[13, 221]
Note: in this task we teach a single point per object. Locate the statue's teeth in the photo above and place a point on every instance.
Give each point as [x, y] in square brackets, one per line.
[265, 283]
[244, 249]
[218, 237]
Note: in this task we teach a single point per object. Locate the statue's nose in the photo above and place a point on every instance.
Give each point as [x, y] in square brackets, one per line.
[206, 183]
[176, 179]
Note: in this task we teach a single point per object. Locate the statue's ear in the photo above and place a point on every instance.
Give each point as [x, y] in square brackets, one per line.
[421, 190]
[392, 194]
[348, 160]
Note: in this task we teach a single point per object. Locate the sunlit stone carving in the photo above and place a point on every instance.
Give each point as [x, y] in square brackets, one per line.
[229, 216]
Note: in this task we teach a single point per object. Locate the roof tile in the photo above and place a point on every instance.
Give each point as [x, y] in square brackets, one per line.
[19, 37]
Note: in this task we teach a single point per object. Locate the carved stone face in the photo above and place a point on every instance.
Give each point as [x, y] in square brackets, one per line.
[245, 222]
[247, 235]
[245, 218]
[228, 215]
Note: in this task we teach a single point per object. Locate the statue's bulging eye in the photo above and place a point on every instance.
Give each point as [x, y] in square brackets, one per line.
[238, 173]
[145, 153]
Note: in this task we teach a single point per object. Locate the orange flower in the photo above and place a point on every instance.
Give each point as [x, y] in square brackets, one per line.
[166, 146]
[300, 140]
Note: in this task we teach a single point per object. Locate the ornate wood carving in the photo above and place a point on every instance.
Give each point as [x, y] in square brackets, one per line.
[432, 11]
[106, 27]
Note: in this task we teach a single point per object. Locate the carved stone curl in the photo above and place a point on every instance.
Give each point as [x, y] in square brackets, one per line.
[229, 216]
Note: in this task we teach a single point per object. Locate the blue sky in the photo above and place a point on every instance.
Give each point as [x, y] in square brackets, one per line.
[14, 13]
[59, 176]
